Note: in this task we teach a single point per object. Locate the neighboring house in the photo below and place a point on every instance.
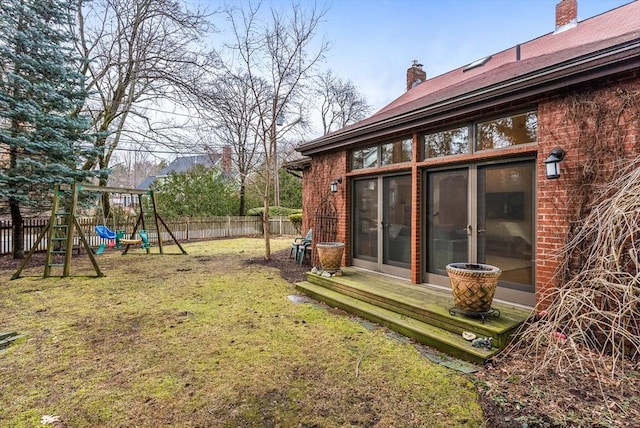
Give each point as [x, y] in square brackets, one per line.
[185, 163]
[454, 169]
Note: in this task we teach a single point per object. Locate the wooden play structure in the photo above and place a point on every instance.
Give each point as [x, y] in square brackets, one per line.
[63, 227]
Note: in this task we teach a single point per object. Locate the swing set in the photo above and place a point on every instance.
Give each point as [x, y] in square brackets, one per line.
[63, 228]
[115, 238]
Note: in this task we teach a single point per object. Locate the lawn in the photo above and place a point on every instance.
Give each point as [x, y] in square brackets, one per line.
[208, 339]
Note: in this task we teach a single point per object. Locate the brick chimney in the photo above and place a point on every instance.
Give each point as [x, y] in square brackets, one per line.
[566, 15]
[226, 159]
[415, 75]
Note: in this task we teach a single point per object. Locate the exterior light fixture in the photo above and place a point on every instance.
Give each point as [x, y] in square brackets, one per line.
[552, 163]
[334, 184]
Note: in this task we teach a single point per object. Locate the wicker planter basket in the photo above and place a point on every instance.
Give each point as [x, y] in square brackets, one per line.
[473, 285]
[330, 255]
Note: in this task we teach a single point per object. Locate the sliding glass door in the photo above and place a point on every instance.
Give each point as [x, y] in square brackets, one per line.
[365, 220]
[506, 222]
[448, 217]
[483, 214]
[382, 224]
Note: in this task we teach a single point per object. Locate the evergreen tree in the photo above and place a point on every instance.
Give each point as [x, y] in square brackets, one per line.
[199, 192]
[42, 140]
[290, 190]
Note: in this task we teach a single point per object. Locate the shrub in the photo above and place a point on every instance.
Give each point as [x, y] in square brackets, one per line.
[274, 211]
[296, 221]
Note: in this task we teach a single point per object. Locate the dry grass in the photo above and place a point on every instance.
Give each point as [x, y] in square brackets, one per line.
[578, 363]
[208, 340]
[597, 306]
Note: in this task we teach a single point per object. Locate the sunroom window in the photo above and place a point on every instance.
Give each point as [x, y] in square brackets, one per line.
[396, 152]
[446, 143]
[507, 131]
[521, 128]
[364, 158]
[384, 154]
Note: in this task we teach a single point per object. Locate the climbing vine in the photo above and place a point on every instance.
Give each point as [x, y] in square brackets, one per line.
[606, 126]
[592, 323]
[600, 122]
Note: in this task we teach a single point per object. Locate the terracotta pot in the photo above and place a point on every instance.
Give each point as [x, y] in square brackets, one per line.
[330, 255]
[473, 285]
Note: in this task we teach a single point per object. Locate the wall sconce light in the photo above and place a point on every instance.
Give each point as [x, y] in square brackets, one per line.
[334, 184]
[552, 163]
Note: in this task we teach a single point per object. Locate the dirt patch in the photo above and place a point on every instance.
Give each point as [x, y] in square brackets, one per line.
[8, 263]
[289, 270]
[589, 397]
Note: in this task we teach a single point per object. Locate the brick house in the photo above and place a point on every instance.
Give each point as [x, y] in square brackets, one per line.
[454, 169]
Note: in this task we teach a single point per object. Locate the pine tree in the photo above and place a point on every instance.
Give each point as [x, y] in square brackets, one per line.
[42, 139]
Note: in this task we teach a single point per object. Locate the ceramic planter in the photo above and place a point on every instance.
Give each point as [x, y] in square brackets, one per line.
[330, 255]
[473, 285]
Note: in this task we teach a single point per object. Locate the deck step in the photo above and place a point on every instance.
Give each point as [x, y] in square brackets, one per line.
[423, 304]
[439, 338]
[416, 310]
[12, 338]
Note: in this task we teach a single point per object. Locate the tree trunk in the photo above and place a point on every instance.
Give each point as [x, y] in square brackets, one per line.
[18, 229]
[14, 205]
[266, 227]
[265, 215]
[243, 191]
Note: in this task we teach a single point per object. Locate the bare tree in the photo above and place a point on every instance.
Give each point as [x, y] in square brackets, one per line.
[340, 102]
[280, 53]
[232, 112]
[141, 53]
[130, 168]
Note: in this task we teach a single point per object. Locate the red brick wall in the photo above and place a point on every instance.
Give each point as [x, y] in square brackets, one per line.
[315, 184]
[598, 128]
[416, 232]
[562, 122]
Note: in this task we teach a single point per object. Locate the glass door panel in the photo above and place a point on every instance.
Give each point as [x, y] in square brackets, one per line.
[505, 222]
[365, 219]
[396, 221]
[484, 214]
[447, 217]
[381, 220]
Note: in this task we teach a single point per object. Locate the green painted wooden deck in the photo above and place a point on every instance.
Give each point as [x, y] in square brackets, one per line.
[415, 310]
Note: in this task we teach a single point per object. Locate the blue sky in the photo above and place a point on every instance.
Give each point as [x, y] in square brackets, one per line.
[375, 41]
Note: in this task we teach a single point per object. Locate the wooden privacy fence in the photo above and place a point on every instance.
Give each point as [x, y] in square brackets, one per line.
[183, 229]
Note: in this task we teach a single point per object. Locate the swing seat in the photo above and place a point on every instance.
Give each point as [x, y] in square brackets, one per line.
[105, 233]
[131, 241]
[143, 240]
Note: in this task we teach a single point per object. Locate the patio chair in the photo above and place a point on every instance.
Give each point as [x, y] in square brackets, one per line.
[300, 246]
